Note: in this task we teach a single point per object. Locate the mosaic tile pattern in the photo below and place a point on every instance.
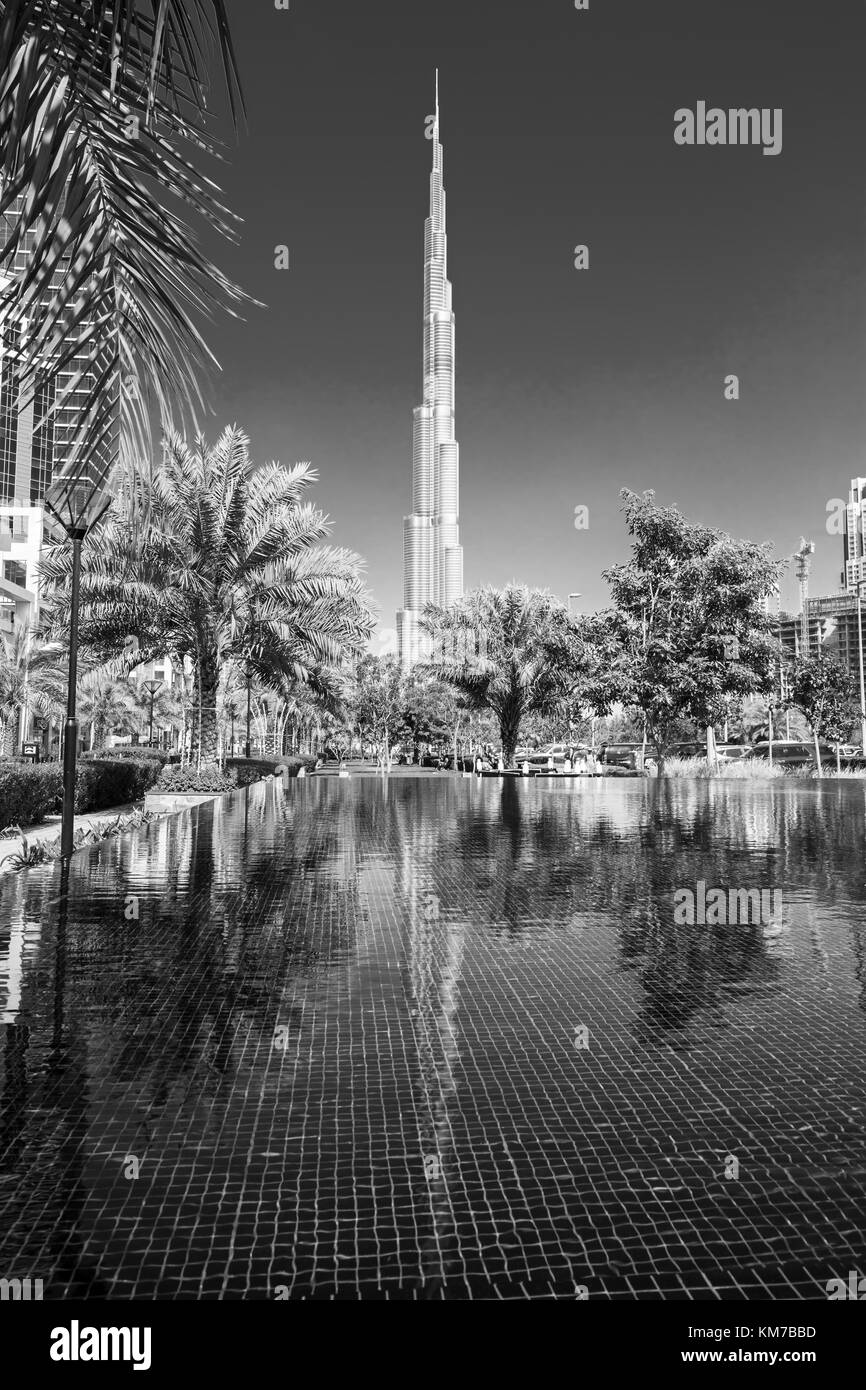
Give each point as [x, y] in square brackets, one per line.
[440, 1039]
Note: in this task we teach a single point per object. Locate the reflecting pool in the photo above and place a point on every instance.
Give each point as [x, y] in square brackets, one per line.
[443, 1038]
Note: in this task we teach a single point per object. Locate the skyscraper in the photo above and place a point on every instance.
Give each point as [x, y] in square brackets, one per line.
[855, 536]
[38, 432]
[432, 554]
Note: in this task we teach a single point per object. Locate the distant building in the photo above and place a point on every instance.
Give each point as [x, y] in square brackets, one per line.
[832, 626]
[854, 538]
[432, 554]
[35, 440]
[16, 608]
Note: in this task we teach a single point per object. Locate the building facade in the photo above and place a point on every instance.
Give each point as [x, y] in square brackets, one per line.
[854, 572]
[35, 438]
[432, 554]
[832, 628]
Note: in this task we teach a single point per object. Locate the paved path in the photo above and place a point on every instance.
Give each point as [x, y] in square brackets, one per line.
[49, 829]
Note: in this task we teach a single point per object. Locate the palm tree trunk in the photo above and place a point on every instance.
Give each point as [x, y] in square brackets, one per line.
[207, 722]
[509, 732]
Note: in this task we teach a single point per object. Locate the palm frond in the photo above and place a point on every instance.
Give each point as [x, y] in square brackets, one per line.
[102, 277]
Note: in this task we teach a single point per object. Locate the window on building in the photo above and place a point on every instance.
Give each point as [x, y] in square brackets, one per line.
[42, 458]
[8, 431]
[15, 572]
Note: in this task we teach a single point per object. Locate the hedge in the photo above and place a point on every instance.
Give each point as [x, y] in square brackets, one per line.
[136, 753]
[208, 778]
[103, 782]
[31, 791]
[292, 762]
[249, 770]
[28, 792]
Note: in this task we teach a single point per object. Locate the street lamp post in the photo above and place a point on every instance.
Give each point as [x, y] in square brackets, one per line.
[151, 686]
[77, 501]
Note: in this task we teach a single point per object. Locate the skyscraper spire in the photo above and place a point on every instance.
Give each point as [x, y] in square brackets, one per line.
[432, 555]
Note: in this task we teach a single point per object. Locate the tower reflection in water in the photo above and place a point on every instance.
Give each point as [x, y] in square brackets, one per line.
[335, 1028]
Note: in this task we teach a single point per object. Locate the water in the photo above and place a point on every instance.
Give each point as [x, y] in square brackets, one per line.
[441, 1038]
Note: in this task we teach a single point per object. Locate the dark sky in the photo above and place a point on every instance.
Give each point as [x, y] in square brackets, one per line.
[557, 128]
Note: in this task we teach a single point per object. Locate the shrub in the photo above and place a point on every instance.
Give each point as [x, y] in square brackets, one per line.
[249, 770]
[293, 761]
[28, 791]
[46, 851]
[209, 778]
[102, 782]
[738, 770]
[132, 751]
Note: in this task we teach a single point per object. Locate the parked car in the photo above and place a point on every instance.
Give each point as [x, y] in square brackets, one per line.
[793, 753]
[688, 748]
[542, 756]
[622, 755]
[733, 752]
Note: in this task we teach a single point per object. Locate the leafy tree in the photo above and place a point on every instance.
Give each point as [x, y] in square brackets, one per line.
[230, 568]
[378, 702]
[430, 711]
[827, 695]
[688, 627]
[511, 657]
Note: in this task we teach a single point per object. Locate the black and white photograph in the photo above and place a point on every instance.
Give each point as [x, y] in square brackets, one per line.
[432, 710]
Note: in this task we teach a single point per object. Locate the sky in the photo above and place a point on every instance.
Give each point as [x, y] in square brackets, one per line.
[558, 131]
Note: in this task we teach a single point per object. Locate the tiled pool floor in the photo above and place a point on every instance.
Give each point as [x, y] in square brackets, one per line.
[441, 1038]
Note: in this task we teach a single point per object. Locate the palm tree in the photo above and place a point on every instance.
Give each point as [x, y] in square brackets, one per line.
[103, 109]
[106, 704]
[32, 678]
[512, 664]
[230, 569]
[166, 706]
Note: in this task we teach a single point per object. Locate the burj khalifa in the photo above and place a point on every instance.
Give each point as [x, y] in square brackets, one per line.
[432, 554]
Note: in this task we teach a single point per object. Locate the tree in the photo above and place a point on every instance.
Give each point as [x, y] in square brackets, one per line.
[106, 704]
[231, 567]
[825, 692]
[378, 702]
[504, 650]
[104, 109]
[337, 732]
[688, 628]
[167, 707]
[32, 679]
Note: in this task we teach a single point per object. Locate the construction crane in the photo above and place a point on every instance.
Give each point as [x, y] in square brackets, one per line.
[803, 558]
